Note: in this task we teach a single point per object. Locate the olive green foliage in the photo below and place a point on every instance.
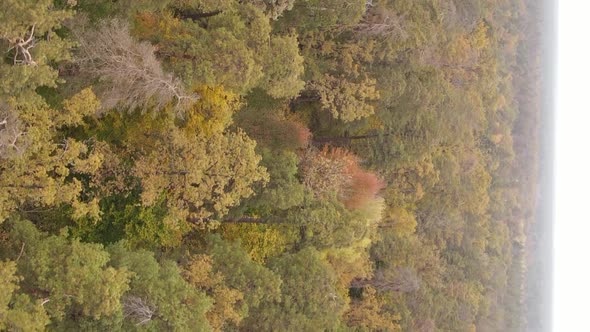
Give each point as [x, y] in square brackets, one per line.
[73, 277]
[17, 311]
[259, 285]
[231, 45]
[37, 21]
[310, 299]
[282, 68]
[284, 191]
[317, 14]
[159, 288]
[273, 8]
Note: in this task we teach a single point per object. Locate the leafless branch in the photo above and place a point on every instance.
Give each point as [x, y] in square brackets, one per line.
[21, 47]
[137, 309]
[12, 134]
[22, 249]
[400, 279]
[133, 75]
[388, 24]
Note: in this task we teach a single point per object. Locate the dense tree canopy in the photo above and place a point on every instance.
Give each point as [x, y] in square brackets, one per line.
[266, 165]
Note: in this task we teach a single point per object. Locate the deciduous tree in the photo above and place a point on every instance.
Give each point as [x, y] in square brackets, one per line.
[158, 297]
[37, 164]
[261, 287]
[69, 277]
[310, 299]
[366, 313]
[226, 311]
[199, 177]
[347, 100]
[129, 74]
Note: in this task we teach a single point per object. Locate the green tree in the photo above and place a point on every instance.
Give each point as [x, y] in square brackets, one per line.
[326, 223]
[316, 14]
[18, 311]
[158, 298]
[284, 189]
[259, 285]
[273, 8]
[283, 67]
[310, 298]
[229, 52]
[28, 33]
[70, 278]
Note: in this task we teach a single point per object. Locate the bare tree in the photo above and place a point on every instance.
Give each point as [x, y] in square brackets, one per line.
[137, 309]
[462, 14]
[381, 21]
[323, 172]
[386, 25]
[12, 135]
[21, 47]
[425, 325]
[399, 279]
[131, 75]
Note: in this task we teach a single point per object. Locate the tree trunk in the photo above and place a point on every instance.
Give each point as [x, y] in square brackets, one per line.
[360, 283]
[342, 140]
[306, 99]
[248, 220]
[193, 15]
[239, 220]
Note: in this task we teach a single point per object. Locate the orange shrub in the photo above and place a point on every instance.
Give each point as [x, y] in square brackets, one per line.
[335, 169]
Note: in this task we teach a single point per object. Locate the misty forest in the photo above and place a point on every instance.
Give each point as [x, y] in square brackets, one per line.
[268, 165]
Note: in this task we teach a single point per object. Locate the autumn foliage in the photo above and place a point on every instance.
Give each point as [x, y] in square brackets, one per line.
[337, 170]
[158, 172]
[276, 130]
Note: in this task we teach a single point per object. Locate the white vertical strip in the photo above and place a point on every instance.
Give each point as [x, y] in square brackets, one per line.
[571, 291]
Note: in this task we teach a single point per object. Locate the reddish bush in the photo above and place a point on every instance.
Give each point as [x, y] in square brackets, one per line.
[302, 134]
[334, 169]
[364, 187]
[274, 130]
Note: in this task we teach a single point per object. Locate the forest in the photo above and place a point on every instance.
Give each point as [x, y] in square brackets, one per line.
[267, 165]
